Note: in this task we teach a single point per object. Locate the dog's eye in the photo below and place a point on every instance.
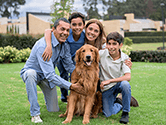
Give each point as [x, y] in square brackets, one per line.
[83, 50]
[91, 50]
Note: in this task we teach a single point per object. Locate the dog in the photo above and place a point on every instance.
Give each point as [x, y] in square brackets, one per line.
[86, 74]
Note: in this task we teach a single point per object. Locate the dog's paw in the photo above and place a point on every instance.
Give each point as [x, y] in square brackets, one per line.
[94, 116]
[85, 121]
[62, 115]
[66, 121]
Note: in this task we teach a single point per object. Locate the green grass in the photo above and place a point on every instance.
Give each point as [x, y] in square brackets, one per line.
[148, 87]
[146, 46]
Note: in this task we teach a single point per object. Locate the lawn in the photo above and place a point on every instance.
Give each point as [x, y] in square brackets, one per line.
[148, 85]
[146, 46]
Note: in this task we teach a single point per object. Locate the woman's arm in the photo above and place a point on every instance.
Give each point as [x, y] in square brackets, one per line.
[126, 77]
[48, 50]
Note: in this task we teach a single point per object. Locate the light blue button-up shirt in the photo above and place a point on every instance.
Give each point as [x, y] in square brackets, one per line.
[47, 69]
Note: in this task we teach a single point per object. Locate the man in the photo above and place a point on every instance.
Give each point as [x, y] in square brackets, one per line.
[39, 72]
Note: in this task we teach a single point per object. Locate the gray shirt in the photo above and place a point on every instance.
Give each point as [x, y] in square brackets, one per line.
[110, 69]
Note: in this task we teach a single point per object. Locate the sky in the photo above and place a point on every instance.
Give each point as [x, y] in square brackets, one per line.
[45, 6]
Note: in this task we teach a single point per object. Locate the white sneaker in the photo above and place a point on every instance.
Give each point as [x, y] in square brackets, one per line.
[36, 119]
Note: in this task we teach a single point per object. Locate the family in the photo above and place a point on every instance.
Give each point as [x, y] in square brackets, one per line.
[58, 49]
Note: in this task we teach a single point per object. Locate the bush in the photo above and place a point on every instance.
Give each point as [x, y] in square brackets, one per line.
[10, 54]
[18, 41]
[128, 41]
[148, 56]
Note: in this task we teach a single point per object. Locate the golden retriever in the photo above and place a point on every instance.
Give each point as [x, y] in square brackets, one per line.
[86, 74]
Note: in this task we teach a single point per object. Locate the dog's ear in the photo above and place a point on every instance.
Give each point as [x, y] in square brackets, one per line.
[97, 55]
[77, 57]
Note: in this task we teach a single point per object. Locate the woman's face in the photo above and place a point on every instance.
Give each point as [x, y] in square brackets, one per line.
[92, 32]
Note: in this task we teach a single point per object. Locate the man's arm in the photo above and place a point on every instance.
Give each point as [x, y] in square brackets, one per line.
[126, 77]
[48, 50]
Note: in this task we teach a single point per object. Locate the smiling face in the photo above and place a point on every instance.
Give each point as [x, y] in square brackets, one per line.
[77, 26]
[92, 32]
[113, 47]
[62, 31]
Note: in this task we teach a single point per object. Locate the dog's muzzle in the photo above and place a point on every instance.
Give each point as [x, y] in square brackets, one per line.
[88, 61]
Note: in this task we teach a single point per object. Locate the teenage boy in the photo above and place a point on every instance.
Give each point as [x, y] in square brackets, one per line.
[76, 40]
[115, 76]
[39, 72]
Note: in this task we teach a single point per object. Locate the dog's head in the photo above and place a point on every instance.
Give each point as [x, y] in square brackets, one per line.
[87, 54]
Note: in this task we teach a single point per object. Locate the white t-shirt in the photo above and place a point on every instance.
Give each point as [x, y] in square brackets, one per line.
[110, 69]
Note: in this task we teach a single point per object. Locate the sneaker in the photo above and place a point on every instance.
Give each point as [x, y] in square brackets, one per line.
[64, 100]
[125, 118]
[36, 119]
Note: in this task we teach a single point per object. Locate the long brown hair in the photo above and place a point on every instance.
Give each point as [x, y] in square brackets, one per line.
[98, 41]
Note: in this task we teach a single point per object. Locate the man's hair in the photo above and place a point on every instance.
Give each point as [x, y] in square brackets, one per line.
[115, 36]
[76, 15]
[56, 23]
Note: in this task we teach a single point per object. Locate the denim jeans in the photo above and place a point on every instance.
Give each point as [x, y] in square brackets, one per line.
[32, 79]
[64, 75]
[109, 97]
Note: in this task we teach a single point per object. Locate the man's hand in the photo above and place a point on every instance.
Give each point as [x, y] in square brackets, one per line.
[128, 63]
[78, 89]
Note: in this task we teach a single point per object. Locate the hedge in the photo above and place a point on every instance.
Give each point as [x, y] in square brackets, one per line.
[149, 34]
[151, 39]
[148, 56]
[18, 41]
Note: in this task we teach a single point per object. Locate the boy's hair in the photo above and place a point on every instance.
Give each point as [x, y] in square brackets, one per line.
[115, 36]
[76, 15]
[56, 23]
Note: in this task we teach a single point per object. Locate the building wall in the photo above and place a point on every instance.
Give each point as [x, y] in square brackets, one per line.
[36, 25]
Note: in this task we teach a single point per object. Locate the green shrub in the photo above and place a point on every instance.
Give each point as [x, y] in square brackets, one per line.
[10, 54]
[128, 41]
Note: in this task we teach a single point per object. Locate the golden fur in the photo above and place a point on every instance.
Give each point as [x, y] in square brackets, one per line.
[86, 74]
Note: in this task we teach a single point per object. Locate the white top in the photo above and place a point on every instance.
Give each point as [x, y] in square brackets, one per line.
[110, 69]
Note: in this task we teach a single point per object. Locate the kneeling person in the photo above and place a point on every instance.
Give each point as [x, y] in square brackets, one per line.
[39, 72]
[115, 76]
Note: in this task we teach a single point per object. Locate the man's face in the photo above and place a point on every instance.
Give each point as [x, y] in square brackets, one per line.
[62, 31]
[113, 47]
[77, 26]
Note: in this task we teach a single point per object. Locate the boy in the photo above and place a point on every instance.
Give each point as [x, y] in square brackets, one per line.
[115, 76]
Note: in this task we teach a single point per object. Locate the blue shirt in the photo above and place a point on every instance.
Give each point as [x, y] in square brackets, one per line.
[47, 69]
[75, 45]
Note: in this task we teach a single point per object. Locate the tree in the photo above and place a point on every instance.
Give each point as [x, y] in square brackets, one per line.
[7, 7]
[62, 9]
[90, 7]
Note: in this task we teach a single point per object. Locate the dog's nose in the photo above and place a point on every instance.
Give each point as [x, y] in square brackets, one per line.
[88, 57]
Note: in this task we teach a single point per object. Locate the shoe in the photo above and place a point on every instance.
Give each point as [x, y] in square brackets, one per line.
[64, 100]
[36, 119]
[133, 102]
[125, 118]
[118, 100]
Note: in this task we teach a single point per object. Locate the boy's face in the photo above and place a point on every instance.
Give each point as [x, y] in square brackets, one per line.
[62, 31]
[113, 47]
[77, 26]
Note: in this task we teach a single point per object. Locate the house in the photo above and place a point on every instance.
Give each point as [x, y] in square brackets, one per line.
[36, 23]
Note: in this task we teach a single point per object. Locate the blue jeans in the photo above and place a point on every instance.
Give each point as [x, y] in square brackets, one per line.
[32, 79]
[64, 75]
[109, 97]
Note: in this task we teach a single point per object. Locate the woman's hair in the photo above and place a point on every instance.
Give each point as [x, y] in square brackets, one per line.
[99, 39]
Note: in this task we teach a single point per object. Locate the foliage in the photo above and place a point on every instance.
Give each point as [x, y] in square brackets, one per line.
[128, 41]
[7, 6]
[148, 56]
[126, 49]
[10, 54]
[62, 9]
[18, 41]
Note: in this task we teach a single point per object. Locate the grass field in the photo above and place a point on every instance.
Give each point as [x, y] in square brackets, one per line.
[146, 46]
[148, 85]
